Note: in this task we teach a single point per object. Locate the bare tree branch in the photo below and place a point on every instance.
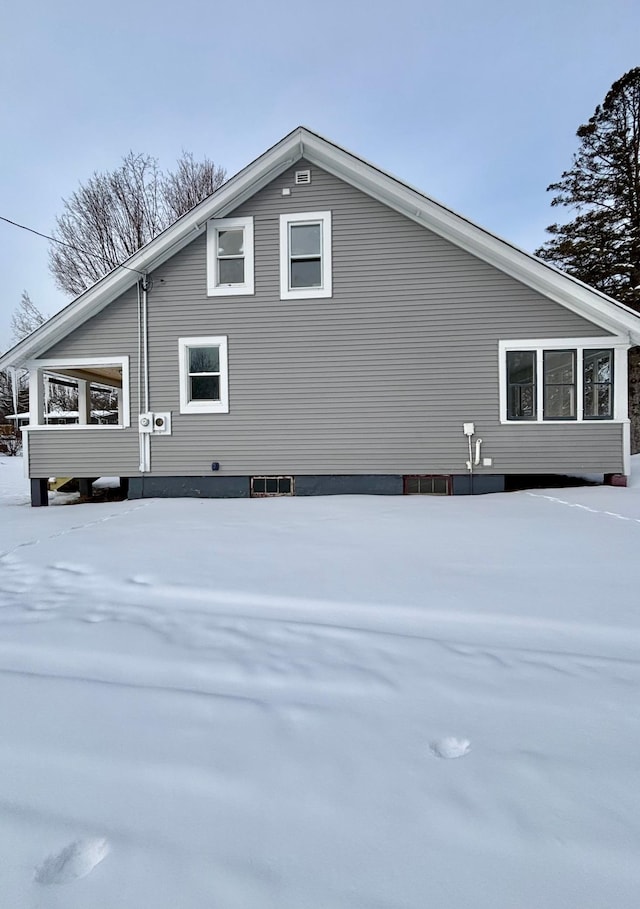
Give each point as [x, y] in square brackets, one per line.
[115, 213]
[26, 318]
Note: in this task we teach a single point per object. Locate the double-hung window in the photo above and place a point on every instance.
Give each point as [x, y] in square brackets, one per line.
[598, 384]
[230, 256]
[521, 384]
[204, 386]
[555, 382]
[305, 255]
[560, 384]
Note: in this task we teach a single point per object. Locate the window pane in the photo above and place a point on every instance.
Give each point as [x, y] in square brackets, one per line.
[204, 359]
[285, 486]
[306, 273]
[597, 401]
[603, 366]
[271, 484]
[230, 242]
[521, 367]
[559, 402]
[305, 240]
[590, 402]
[521, 402]
[411, 485]
[205, 388]
[259, 484]
[605, 404]
[230, 271]
[559, 367]
[440, 486]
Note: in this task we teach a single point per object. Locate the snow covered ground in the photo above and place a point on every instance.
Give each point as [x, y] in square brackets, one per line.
[358, 702]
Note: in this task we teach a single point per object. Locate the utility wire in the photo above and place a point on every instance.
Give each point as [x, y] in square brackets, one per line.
[62, 243]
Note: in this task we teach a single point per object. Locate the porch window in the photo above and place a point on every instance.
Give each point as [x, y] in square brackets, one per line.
[86, 392]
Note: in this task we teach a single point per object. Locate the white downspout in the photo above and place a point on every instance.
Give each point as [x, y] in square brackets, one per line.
[143, 373]
[145, 341]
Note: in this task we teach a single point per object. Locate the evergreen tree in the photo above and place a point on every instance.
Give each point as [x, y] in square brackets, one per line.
[601, 244]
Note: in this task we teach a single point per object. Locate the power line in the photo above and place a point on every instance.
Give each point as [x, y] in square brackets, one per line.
[62, 243]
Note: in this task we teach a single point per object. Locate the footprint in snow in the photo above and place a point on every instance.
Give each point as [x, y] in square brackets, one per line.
[450, 747]
[141, 579]
[68, 568]
[76, 860]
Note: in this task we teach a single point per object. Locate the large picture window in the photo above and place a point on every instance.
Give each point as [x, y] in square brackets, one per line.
[546, 382]
[305, 255]
[203, 375]
[230, 256]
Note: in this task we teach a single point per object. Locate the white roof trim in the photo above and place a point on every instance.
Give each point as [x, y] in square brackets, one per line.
[551, 283]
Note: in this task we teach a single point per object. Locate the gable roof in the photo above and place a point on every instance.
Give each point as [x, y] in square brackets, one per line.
[303, 143]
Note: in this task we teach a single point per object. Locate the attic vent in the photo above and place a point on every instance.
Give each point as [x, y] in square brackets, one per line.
[303, 176]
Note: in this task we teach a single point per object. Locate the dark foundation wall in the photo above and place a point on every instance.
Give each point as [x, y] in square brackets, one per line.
[240, 487]
[148, 487]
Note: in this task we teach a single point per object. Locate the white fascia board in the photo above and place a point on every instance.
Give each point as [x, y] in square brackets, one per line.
[551, 283]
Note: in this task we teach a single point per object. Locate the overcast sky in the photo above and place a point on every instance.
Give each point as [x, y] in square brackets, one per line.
[475, 103]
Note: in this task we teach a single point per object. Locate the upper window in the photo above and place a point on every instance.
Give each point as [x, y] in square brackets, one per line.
[230, 256]
[554, 382]
[305, 255]
[204, 386]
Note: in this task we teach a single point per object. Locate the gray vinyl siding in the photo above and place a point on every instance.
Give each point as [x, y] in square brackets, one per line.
[378, 379]
[101, 452]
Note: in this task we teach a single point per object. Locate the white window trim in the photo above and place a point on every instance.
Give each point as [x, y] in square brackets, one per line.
[187, 406]
[36, 392]
[619, 345]
[225, 290]
[306, 293]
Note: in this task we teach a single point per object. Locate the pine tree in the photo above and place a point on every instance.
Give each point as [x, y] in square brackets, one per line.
[601, 244]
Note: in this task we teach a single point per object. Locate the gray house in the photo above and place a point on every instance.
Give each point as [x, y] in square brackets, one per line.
[317, 326]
